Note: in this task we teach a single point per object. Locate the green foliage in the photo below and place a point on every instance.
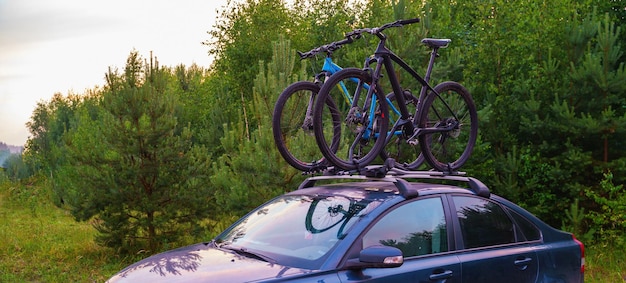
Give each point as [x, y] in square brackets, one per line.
[251, 170]
[545, 186]
[134, 170]
[610, 218]
[599, 78]
[194, 103]
[240, 184]
[317, 22]
[242, 37]
[575, 222]
[49, 123]
[244, 32]
[15, 168]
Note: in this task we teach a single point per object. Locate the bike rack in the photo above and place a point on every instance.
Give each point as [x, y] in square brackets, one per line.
[398, 177]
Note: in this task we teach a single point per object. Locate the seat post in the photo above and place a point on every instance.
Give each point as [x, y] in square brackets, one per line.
[433, 54]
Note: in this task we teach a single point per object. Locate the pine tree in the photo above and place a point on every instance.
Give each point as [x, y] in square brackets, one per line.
[251, 170]
[134, 170]
[571, 124]
[599, 79]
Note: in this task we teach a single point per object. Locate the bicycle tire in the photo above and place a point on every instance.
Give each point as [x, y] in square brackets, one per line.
[407, 156]
[363, 127]
[322, 217]
[293, 131]
[448, 151]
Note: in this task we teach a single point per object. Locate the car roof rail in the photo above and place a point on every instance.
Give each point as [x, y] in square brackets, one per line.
[399, 178]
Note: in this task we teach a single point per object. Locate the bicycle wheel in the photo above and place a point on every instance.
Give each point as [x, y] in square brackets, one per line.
[407, 156]
[364, 121]
[325, 213]
[292, 125]
[450, 107]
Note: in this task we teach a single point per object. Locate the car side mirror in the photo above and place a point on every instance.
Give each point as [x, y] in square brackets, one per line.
[377, 257]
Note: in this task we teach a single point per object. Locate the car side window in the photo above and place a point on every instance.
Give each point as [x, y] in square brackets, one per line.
[416, 228]
[527, 229]
[483, 222]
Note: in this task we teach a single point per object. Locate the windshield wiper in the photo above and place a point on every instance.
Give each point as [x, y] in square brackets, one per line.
[247, 253]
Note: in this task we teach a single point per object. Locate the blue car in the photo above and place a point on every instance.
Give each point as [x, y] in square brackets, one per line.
[399, 227]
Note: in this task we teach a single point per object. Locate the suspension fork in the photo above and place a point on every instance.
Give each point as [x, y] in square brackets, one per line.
[307, 123]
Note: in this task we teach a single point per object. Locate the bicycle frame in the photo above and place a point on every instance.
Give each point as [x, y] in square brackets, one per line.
[330, 68]
[384, 57]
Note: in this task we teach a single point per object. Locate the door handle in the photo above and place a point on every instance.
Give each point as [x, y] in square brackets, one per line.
[522, 263]
[445, 274]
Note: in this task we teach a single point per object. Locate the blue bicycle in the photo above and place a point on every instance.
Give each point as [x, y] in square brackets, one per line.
[292, 121]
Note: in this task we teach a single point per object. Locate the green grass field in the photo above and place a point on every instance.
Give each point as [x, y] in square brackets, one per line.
[42, 243]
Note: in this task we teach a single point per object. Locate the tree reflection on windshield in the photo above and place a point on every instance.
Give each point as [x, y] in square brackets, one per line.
[299, 229]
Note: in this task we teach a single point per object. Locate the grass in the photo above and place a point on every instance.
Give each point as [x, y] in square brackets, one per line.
[40, 242]
[605, 264]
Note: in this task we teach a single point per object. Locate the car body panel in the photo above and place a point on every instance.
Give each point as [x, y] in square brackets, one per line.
[559, 262]
[440, 268]
[516, 263]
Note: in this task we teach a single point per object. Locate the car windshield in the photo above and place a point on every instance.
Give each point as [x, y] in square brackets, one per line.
[296, 230]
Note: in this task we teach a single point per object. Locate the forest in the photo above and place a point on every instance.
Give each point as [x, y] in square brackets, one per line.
[165, 155]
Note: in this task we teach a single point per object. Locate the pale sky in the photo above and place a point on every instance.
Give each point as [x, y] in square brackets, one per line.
[65, 46]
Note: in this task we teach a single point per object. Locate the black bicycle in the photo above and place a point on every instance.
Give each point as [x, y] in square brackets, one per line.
[443, 127]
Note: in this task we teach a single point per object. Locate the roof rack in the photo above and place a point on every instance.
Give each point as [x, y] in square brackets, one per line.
[398, 177]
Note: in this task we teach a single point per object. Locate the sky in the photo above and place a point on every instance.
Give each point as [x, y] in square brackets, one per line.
[67, 46]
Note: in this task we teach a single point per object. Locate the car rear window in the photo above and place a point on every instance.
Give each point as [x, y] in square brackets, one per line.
[529, 231]
[483, 222]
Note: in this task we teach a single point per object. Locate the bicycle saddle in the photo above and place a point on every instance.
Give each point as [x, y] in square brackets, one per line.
[436, 43]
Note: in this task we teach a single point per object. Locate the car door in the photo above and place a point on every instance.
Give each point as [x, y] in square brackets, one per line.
[420, 230]
[491, 248]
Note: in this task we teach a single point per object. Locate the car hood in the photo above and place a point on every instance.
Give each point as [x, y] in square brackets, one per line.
[203, 263]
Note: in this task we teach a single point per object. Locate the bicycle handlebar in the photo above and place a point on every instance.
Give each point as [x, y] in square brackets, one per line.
[409, 21]
[328, 48]
[378, 30]
[355, 34]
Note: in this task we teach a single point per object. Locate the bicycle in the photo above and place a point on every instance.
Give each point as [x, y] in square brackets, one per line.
[292, 122]
[444, 124]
